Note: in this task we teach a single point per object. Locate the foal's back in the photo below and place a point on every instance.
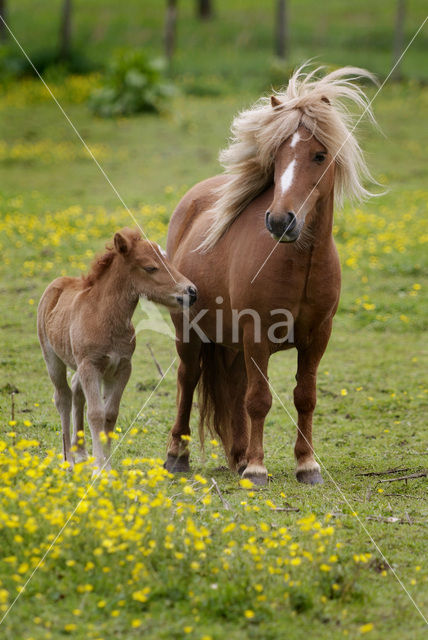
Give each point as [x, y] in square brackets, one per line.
[55, 314]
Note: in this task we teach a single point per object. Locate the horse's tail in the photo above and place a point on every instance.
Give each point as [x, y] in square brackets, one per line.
[214, 394]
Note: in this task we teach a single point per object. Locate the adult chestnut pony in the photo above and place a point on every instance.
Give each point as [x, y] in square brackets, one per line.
[256, 239]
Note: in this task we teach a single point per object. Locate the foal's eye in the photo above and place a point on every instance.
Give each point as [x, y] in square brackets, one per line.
[320, 157]
[150, 269]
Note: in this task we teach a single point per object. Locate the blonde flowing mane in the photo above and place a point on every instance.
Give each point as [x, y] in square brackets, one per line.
[320, 105]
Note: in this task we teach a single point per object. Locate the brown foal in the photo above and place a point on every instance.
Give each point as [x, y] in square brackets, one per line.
[85, 324]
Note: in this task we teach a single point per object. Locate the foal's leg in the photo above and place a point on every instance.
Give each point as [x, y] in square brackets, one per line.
[188, 374]
[58, 374]
[113, 391]
[90, 379]
[305, 397]
[258, 401]
[78, 419]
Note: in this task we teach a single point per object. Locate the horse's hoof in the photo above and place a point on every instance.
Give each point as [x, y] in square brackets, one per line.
[257, 474]
[242, 469]
[310, 476]
[81, 456]
[177, 464]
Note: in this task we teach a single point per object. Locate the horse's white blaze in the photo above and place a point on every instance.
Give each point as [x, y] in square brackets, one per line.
[287, 177]
[295, 139]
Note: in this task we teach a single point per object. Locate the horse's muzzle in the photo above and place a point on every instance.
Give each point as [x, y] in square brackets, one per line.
[188, 298]
[282, 227]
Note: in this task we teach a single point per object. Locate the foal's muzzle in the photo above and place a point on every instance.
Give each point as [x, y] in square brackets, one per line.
[188, 298]
[283, 227]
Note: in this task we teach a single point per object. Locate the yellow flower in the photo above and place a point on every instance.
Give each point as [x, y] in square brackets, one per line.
[249, 613]
[343, 392]
[141, 596]
[246, 483]
[365, 628]
[136, 623]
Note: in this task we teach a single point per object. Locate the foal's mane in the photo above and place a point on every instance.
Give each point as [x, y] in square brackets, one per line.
[257, 133]
[99, 266]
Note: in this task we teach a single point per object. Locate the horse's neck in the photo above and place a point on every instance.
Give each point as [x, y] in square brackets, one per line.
[114, 298]
[322, 232]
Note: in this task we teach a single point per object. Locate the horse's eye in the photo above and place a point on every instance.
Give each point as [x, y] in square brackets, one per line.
[320, 157]
[150, 269]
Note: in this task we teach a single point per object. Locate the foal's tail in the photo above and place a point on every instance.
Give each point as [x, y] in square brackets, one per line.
[214, 394]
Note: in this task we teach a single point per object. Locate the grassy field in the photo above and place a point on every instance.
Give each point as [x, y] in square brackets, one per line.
[150, 555]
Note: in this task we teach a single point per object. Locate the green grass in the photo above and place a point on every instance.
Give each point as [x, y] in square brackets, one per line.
[235, 50]
[56, 210]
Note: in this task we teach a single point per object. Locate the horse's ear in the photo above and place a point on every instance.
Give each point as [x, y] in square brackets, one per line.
[325, 99]
[121, 243]
[275, 102]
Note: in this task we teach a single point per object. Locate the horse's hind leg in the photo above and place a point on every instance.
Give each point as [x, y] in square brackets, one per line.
[188, 374]
[78, 441]
[258, 401]
[240, 430]
[58, 374]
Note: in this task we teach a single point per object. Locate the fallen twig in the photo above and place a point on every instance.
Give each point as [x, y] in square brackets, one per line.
[383, 473]
[159, 368]
[286, 509]
[225, 503]
[12, 408]
[411, 476]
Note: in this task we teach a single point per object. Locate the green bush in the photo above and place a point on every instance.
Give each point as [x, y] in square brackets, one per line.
[132, 84]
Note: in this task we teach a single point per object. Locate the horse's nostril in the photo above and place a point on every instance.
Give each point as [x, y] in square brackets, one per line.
[290, 222]
[267, 223]
[192, 292]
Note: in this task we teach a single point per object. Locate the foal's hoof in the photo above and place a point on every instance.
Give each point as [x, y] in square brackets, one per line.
[81, 456]
[177, 464]
[309, 476]
[257, 474]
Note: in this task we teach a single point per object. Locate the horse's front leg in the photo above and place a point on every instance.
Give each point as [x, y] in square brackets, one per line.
[78, 441]
[305, 397]
[258, 401]
[113, 391]
[188, 374]
[90, 379]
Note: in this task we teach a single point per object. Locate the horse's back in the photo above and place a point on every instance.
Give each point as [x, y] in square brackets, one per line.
[193, 204]
[53, 314]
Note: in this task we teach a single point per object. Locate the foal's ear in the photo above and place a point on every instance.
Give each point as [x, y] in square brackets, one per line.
[121, 243]
[275, 102]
